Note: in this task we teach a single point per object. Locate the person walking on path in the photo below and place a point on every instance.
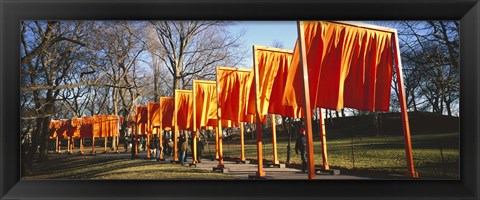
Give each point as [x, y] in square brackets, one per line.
[183, 148]
[300, 146]
[156, 141]
[199, 150]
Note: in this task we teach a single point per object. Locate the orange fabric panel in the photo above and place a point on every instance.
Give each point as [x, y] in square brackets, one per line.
[97, 126]
[167, 107]
[267, 66]
[141, 119]
[63, 129]
[347, 66]
[225, 123]
[86, 130]
[272, 67]
[205, 103]
[153, 115]
[77, 124]
[112, 123]
[54, 125]
[184, 110]
[103, 126]
[234, 92]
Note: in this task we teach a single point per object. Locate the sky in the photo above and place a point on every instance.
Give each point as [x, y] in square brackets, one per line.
[264, 33]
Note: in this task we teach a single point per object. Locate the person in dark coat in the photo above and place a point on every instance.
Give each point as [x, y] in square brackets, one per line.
[300, 147]
[158, 149]
[183, 148]
[199, 150]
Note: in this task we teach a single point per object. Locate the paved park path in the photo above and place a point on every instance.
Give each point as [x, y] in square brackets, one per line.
[242, 171]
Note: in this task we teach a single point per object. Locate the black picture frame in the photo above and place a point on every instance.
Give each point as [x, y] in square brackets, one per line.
[467, 11]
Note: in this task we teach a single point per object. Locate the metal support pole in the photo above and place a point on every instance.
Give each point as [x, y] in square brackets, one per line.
[274, 139]
[403, 106]
[323, 136]
[242, 142]
[306, 100]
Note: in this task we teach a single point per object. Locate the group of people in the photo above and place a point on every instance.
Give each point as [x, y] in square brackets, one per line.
[182, 150]
[168, 148]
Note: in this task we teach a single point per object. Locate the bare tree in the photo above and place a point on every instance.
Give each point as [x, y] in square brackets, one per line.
[430, 50]
[192, 49]
[49, 51]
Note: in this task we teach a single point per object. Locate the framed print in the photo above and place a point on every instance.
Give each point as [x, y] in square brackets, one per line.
[93, 132]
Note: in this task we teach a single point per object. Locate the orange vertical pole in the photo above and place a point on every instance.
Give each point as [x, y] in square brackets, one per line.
[69, 147]
[59, 146]
[242, 143]
[73, 145]
[161, 141]
[258, 123]
[323, 136]
[306, 100]
[148, 145]
[81, 145]
[216, 143]
[105, 146]
[220, 132]
[57, 149]
[194, 150]
[175, 145]
[175, 130]
[403, 107]
[195, 131]
[274, 140]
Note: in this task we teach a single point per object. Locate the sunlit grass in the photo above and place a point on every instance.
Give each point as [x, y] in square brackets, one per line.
[384, 153]
[97, 167]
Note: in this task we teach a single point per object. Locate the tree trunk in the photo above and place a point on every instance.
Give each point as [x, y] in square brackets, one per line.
[43, 154]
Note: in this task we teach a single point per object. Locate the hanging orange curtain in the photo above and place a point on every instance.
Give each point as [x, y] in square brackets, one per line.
[184, 109]
[234, 92]
[54, 125]
[115, 125]
[272, 66]
[105, 128]
[63, 128]
[153, 116]
[166, 112]
[141, 119]
[77, 124]
[347, 66]
[206, 102]
[86, 130]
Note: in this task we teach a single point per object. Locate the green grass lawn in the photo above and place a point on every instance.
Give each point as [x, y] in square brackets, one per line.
[102, 167]
[376, 155]
[373, 153]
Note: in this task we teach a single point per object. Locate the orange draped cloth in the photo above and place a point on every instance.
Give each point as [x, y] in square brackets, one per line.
[348, 66]
[64, 129]
[141, 119]
[113, 122]
[76, 125]
[234, 92]
[86, 130]
[184, 109]
[272, 69]
[205, 103]
[54, 125]
[153, 115]
[167, 107]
